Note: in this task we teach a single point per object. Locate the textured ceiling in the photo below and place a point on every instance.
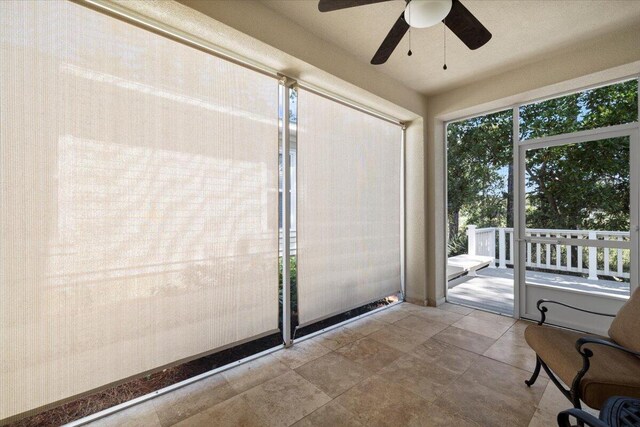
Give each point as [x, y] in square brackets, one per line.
[524, 31]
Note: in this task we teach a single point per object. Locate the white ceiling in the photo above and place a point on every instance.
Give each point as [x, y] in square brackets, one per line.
[524, 31]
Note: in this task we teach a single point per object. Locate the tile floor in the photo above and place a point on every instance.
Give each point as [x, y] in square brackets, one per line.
[405, 366]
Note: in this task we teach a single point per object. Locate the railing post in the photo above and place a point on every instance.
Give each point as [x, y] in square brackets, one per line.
[471, 241]
[492, 247]
[502, 248]
[593, 258]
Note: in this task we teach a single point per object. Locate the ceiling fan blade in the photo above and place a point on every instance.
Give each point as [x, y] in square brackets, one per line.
[330, 5]
[390, 42]
[466, 26]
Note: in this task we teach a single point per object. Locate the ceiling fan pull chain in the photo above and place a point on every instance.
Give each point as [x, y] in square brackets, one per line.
[444, 36]
[406, 20]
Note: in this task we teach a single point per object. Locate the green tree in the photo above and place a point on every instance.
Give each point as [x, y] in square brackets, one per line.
[579, 186]
[478, 149]
[585, 185]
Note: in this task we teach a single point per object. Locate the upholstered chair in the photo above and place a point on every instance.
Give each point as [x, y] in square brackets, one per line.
[593, 367]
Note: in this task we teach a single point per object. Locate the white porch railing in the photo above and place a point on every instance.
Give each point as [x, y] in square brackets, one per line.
[498, 243]
[293, 242]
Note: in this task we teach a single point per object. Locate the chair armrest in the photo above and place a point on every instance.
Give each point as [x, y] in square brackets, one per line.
[586, 354]
[581, 342]
[543, 310]
[580, 415]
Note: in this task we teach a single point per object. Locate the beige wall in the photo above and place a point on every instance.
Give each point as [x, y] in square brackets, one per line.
[415, 241]
[292, 50]
[600, 60]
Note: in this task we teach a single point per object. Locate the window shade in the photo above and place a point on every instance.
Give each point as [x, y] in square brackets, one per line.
[138, 202]
[348, 225]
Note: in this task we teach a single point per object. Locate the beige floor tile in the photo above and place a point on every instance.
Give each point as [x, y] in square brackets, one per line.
[418, 376]
[406, 306]
[376, 402]
[444, 355]
[437, 416]
[422, 326]
[143, 414]
[366, 325]
[488, 328]
[492, 317]
[250, 374]
[338, 337]
[286, 399]
[393, 377]
[552, 402]
[330, 415]
[465, 339]
[479, 403]
[520, 326]
[511, 348]
[400, 338]
[370, 353]
[441, 316]
[230, 413]
[191, 399]
[456, 308]
[392, 315]
[333, 374]
[492, 393]
[301, 353]
[505, 378]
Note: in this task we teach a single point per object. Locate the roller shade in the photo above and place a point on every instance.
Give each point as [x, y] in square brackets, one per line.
[348, 213]
[138, 202]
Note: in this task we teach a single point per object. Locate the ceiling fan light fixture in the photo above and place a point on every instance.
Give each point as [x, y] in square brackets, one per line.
[427, 13]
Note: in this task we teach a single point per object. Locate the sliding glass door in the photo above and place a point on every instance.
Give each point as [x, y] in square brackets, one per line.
[577, 227]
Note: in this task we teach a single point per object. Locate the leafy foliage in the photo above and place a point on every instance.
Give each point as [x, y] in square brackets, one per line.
[293, 280]
[585, 185]
[579, 186]
[478, 149]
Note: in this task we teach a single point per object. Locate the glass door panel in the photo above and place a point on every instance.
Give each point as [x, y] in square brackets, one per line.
[578, 237]
[577, 210]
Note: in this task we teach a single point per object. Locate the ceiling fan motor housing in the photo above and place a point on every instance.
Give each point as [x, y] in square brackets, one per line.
[427, 13]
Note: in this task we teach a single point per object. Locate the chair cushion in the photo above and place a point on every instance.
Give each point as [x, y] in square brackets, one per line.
[612, 372]
[625, 328]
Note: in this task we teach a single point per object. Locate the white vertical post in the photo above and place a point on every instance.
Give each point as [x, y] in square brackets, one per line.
[569, 268]
[634, 235]
[511, 260]
[403, 219]
[519, 225]
[619, 257]
[593, 258]
[471, 241]
[548, 253]
[502, 248]
[580, 253]
[286, 213]
[492, 247]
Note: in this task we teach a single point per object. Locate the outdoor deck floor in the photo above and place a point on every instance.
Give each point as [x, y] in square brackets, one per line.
[492, 288]
[407, 365]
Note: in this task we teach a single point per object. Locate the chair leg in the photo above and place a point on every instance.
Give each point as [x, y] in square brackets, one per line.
[575, 399]
[536, 372]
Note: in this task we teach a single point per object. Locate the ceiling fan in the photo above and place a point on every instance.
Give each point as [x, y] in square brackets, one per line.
[421, 14]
